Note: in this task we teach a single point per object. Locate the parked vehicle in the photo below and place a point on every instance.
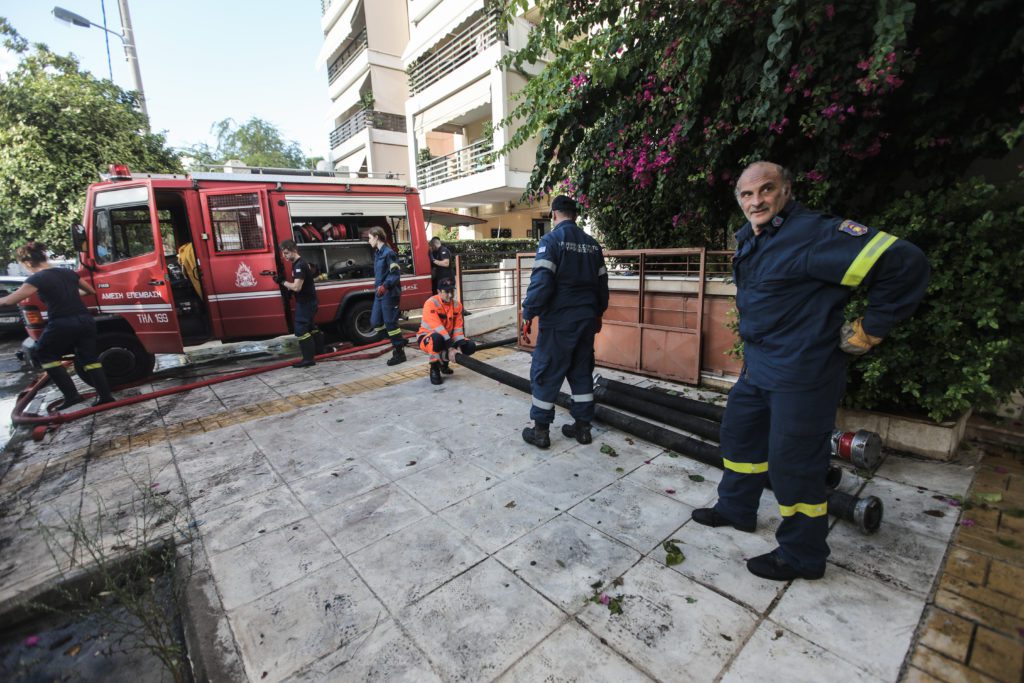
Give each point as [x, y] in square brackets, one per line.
[10, 316]
[177, 260]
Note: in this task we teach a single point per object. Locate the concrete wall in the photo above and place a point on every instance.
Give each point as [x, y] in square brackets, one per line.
[387, 27]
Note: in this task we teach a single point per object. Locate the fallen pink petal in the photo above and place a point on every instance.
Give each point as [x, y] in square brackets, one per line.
[670, 490]
[605, 599]
[31, 641]
[647, 462]
[967, 522]
[1002, 470]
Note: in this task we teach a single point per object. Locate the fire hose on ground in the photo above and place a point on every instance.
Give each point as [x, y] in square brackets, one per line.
[864, 513]
[861, 448]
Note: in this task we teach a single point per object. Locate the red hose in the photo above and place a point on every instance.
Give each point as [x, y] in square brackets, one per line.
[25, 397]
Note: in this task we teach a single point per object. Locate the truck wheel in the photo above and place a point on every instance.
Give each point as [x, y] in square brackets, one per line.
[356, 325]
[124, 359]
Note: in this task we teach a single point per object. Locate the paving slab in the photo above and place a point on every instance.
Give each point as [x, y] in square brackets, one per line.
[362, 520]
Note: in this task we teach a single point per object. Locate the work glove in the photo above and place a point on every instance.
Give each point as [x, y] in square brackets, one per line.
[527, 330]
[278, 280]
[467, 347]
[854, 340]
[381, 291]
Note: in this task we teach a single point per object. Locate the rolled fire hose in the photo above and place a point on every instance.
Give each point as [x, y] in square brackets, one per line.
[864, 513]
[861, 448]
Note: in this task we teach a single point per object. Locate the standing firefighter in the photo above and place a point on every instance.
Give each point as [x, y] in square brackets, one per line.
[387, 275]
[569, 291]
[306, 303]
[442, 329]
[794, 271]
[70, 325]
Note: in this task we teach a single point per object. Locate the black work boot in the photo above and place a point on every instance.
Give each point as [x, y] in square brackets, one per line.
[772, 567]
[99, 381]
[308, 347]
[711, 517]
[435, 372]
[62, 380]
[537, 435]
[579, 431]
[400, 342]
[445, 370]
[397, 356]
[319, 343]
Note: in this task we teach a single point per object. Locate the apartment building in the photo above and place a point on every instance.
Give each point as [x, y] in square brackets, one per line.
[366, 81]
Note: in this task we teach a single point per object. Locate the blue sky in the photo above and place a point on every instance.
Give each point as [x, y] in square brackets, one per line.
[201, 60]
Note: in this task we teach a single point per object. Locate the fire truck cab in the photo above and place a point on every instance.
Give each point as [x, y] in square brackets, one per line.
[177, 260]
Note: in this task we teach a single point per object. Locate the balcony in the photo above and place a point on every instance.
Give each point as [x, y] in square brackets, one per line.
[347, 56]
[481, 33]
[366, 118]
[475, 158]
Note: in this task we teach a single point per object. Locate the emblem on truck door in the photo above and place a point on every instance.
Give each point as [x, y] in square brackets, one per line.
[244, 276]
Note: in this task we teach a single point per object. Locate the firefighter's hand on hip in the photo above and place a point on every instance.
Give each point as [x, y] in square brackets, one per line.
[381, 291]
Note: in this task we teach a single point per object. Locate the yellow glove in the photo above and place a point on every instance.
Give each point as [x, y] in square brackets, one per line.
[854, 340]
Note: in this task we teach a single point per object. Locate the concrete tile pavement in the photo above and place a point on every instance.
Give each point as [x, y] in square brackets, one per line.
[356, 523]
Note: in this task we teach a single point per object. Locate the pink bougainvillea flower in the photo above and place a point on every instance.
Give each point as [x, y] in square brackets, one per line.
[32, 641]
[605, 598]
[967, 522]
[670, 491]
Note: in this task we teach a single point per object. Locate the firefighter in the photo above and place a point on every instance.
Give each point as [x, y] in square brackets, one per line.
[794, 271]
[440, 264]
[441, 329]
[306, 304]
[569, 291]
[70, 325]
[387, 275]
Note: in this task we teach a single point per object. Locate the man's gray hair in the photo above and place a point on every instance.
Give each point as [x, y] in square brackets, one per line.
[784, 173]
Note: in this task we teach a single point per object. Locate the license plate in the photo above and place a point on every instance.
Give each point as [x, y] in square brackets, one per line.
[10, 319]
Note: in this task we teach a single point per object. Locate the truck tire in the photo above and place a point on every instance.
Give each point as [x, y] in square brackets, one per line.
[356, 323]
[124, 359]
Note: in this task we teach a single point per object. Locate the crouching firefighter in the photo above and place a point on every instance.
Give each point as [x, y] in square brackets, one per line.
[311, 339]
[441, 330]
[70, 325]
[387, 275]
[569, 291]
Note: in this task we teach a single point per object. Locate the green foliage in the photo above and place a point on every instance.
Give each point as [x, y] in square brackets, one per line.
[255, 143]
[60, 127]
[962, 348]
[647, 111]
[487, 253]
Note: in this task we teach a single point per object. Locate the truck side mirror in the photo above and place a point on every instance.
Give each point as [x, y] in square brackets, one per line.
[78, 236]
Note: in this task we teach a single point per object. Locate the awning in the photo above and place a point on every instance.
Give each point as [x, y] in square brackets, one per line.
[427, 33]
[338, 34]
[469, 98]
[348, 99]
[333, 207]
[449, 219]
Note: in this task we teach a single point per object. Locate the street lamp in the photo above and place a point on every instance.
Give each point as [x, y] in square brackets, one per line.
[126, 40]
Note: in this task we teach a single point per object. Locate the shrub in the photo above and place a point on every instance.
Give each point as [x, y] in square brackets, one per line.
[488, 253]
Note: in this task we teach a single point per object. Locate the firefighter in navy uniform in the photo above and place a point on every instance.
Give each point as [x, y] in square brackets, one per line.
[794, 271]
[306, 304]
[70, 324]
[569, 291]
[441, 330]
[387, 276]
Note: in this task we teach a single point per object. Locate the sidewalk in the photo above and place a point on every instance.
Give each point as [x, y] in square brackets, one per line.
[356, 523]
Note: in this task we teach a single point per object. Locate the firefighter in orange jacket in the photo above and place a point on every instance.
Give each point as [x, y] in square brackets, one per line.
[441, 329]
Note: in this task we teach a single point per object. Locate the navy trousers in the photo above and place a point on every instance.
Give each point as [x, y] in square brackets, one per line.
[783, 437]
[384, 316]
[63, 334]
[305, 311]
[564, 351]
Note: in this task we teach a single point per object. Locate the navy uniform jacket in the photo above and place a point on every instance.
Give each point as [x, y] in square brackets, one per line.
[300, 269]
[793, 282]
[386, 270]
[569, 281]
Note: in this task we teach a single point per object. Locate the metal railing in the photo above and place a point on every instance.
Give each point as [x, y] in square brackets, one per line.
[324, 4]
[475, 158]
[366, 118]
[464, 46]
[347, 56]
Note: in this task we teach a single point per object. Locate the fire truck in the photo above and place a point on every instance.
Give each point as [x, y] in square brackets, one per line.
[178, 260]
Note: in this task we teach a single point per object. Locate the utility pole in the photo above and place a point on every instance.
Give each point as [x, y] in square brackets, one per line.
[128, 38]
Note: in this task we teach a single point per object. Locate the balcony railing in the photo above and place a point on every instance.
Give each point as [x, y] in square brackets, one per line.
[366, 118]
[347, 56]
[324, 4]
[466, 45]
[476, 158]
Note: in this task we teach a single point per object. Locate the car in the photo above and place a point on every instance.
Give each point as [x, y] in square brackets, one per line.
[10, 316]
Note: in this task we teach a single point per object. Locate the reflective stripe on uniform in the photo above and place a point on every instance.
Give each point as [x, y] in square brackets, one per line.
[745, 467]
[809, 509]
[440, 329]
[582, 398]
[92, 366]
[866, 259]
[396, 266]
[305, 336]
[52, 364]
[543, 405]
[544, 263]
[396, 331]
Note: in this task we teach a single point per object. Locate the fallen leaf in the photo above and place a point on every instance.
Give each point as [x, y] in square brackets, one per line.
[673, 454]
[73, 651]
[935, 513]
[609, 451]
[618, 581]
[630, 441]
[615, 606]
[597, 584]
[1009, 543]
[619, 470]
[778, 634]
[729, 638]
[410, 463]
[560, 563]
[647, 462]
[673, 555]
[690, 601]
[696, 477]
[510, 504]
[988, 497]
[334, 474]
[670, 491]
[1015, 512]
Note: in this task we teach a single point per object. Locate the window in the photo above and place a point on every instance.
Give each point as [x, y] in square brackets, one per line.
[122, 233]
[237, 222]
[501, 232]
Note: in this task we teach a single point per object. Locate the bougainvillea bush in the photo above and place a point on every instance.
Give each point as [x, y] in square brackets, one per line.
[646, 111]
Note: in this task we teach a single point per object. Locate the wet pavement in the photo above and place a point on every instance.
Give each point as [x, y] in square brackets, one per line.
[354, 522]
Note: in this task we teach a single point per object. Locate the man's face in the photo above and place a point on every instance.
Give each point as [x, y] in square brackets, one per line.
[446, 296]
[289, 255]
[762, 193]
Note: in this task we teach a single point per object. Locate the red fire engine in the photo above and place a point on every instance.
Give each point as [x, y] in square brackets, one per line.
[177, 260]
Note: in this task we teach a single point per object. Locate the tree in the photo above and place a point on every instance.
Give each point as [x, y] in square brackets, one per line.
[60, 127]
[255, 143]
[646, 111]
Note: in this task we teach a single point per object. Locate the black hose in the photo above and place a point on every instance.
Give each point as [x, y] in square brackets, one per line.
[690, 406]
[673, 418]
[865, 513]
[496, 343]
